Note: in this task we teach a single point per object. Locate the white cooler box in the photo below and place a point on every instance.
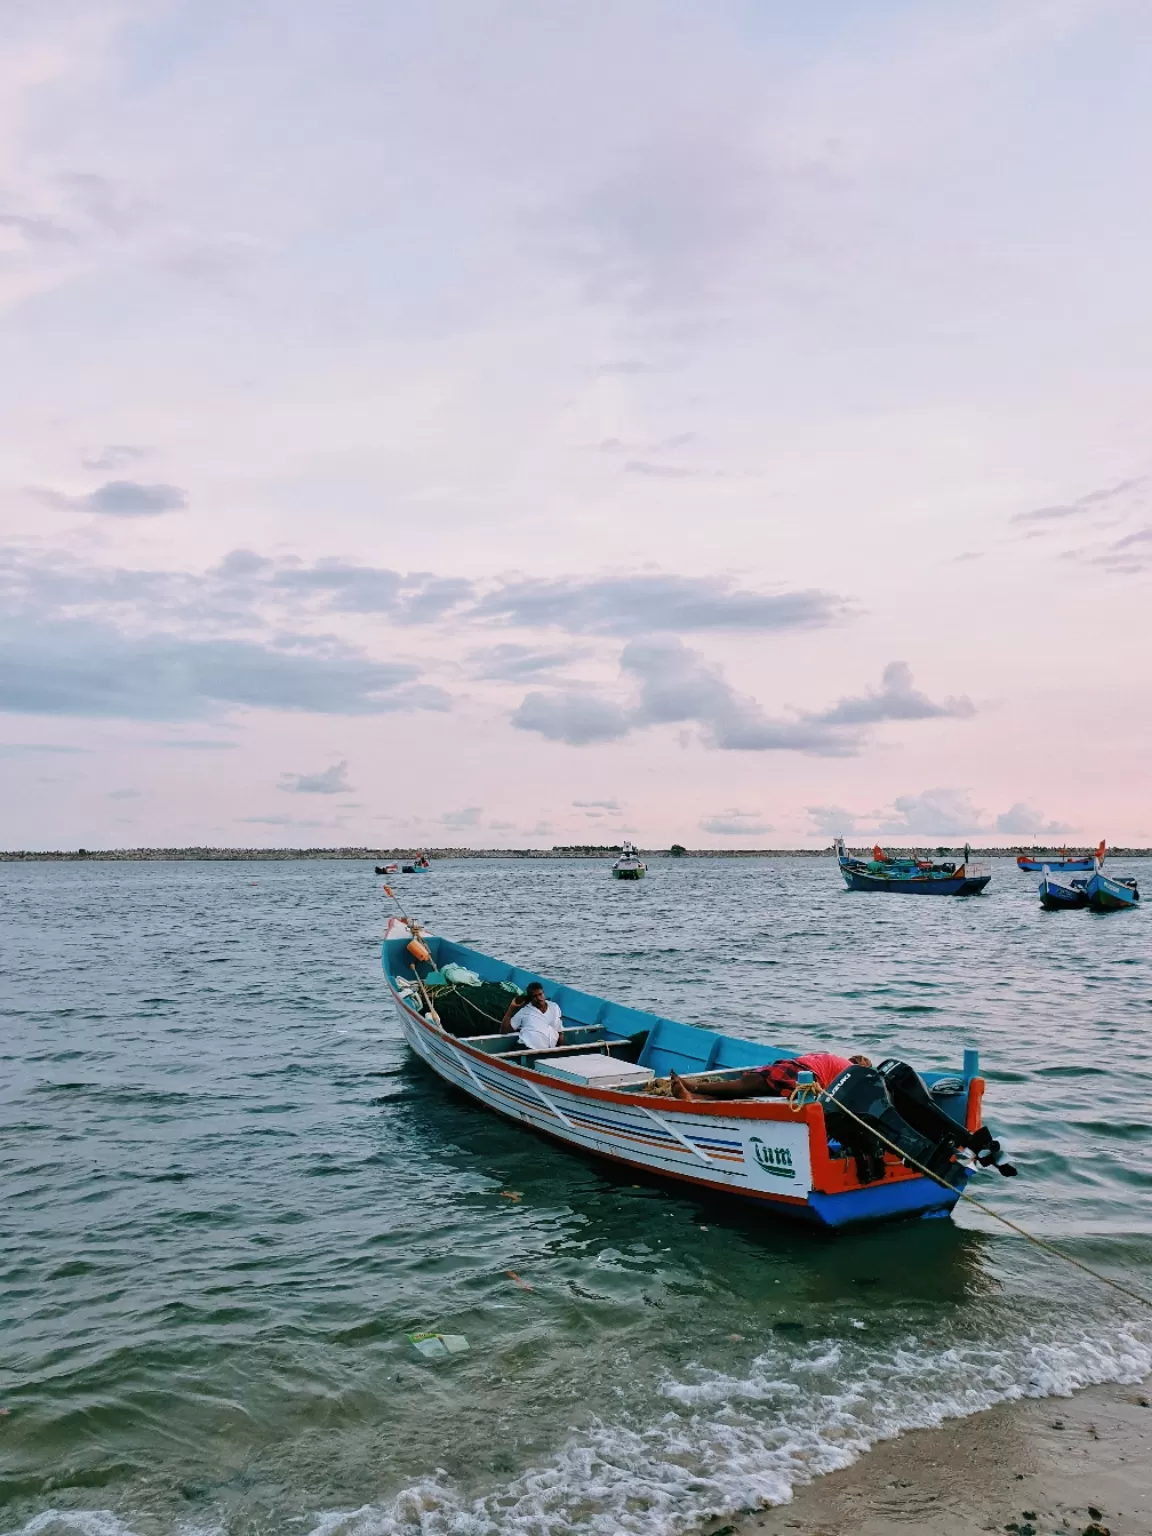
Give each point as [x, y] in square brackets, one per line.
[596, 1071]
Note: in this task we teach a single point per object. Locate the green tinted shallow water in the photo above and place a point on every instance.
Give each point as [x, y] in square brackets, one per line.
[229, 1193]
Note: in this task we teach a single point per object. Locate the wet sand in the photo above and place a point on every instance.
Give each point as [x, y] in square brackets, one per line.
[1080, 1465]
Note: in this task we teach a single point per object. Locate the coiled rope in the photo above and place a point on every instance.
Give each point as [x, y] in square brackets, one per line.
[812, 1093]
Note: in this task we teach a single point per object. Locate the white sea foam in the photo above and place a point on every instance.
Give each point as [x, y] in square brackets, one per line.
[95, 1522]
[726, 1442]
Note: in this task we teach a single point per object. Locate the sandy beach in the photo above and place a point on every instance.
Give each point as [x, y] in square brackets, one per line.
[1034, 1467]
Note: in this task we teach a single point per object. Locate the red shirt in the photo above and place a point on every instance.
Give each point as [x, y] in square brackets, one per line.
[780, 1077]
[824, 1067]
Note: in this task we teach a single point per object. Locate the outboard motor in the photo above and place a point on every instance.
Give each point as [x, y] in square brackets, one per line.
[894, 1100]
[862, 1094]
[913, 1102]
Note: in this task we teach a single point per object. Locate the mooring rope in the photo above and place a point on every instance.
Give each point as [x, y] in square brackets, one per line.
[812, 1093]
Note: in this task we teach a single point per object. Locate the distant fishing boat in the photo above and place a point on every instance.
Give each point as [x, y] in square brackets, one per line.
[629, 865]
[418, 866]
[912, 877]
[1062, 860]
[1062, 895]
[387, 869]
[606, 1091]
[1107, 893]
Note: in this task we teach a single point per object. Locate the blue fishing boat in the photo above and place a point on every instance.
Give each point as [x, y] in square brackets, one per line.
[607, 1089]
[1063, 861]
[1107, 893]
[912, 877]
[1062, 895]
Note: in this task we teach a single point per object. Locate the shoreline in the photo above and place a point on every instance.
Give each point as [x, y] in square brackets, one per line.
[1033, 1467]
[258, 855]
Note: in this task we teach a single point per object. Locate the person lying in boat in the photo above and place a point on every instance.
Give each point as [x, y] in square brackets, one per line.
[893, 1098]
[775, 1081]
[538, 1022]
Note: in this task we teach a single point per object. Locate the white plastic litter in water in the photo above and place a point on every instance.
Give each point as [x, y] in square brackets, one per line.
[433, 1345]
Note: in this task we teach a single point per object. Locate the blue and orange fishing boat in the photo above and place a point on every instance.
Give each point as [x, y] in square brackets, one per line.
[912, 877]
[1062, 861]
[835, 1158]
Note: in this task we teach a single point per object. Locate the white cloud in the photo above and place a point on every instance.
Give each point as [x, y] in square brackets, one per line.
[895, 699]
[674, 685]
[574, 717]
[736, 823]
[833, 820]
[460, 820]
[941, 812]
[1025, 819]
[121, 498]
[329, 781]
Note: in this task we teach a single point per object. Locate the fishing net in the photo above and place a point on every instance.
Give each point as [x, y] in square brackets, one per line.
[468, 1010]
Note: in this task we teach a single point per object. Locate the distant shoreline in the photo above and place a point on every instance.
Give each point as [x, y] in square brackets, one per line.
[277, 855]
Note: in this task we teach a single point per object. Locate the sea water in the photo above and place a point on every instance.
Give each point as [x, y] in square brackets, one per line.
[230, 1194]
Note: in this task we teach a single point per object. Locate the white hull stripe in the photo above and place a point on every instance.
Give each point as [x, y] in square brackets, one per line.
[589, 1124]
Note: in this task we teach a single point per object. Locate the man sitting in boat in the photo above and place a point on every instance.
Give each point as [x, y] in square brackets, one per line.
[774, 1082]
[538, 1022]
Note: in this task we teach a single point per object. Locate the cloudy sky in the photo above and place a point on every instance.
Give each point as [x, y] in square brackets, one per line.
[511, 424]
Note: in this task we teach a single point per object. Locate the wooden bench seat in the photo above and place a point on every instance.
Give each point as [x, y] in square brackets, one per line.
[587, 1046]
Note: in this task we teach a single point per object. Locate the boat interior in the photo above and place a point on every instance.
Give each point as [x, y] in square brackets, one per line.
[594, 1025]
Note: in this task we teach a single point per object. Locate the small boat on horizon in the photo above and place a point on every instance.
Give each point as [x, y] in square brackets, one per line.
[629, 866]
[1061, 860]
[606, 1091]
[912, 877]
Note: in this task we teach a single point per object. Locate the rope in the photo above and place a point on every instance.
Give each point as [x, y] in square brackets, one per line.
[476, 1008]
[796, 1102]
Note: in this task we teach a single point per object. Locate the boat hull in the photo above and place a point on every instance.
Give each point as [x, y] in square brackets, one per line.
[629, 874]
[1065, 866]
[1107, 895]
[964, 885]
[1055, 896]
[759, 1152]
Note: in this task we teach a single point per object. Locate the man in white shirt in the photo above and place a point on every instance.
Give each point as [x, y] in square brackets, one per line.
[538, 1022]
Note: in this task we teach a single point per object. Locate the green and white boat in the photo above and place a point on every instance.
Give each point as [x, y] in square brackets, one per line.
[629, 866]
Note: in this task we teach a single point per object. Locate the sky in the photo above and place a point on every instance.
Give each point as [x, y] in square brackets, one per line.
[498, 424]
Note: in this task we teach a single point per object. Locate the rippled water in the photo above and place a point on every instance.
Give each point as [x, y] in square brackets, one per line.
[229, 1193]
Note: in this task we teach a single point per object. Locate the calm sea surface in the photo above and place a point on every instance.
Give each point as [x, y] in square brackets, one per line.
[228, 1194]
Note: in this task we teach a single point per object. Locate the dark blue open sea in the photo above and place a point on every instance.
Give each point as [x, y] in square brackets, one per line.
[229, 1194]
